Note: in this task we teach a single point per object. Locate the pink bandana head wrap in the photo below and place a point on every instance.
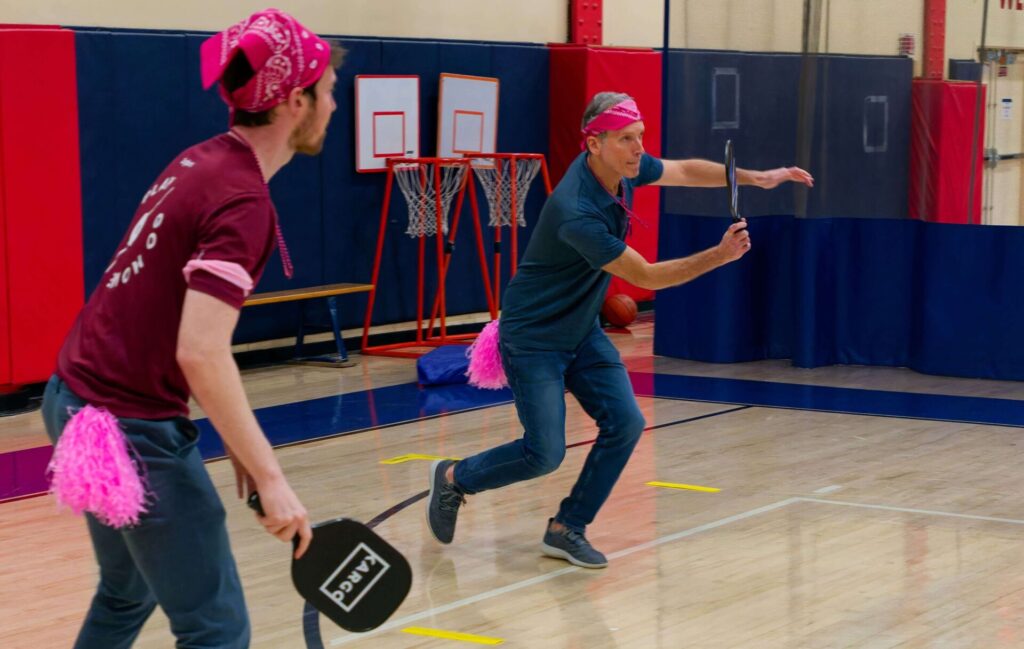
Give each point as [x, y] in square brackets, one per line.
[618, 116]
[283, 54]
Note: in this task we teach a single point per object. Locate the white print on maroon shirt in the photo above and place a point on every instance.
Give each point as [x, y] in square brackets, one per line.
[131, 268]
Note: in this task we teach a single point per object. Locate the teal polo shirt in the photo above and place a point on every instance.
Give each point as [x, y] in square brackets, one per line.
[553, 301]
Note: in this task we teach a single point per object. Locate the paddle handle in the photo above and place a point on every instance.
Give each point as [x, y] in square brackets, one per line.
[254, 504]
[253, 501]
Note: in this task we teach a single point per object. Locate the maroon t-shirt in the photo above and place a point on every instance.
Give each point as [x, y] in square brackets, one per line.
[210, 203]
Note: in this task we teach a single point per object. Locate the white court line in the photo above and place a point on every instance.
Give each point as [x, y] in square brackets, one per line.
[346, 639]
[909, 510]
[702, 528]
[829, 489]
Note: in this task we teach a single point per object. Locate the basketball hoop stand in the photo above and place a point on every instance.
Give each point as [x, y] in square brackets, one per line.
[430, 187]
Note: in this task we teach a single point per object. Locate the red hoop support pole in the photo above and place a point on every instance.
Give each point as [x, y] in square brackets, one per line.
[377, 256]
[492, 305]
[497, 234]
[439, 238]
[514, 220]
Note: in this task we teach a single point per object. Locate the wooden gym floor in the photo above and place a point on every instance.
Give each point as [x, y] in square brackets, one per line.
[844, 507]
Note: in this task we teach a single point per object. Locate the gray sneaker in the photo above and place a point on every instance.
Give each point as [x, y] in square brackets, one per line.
[573, 547]
[443, 503]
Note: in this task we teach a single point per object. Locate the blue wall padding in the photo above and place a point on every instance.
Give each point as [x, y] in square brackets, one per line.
[126, 136]
[850, 180]
[141, 103]
[765, 137]
[929, 296]
[964, 70]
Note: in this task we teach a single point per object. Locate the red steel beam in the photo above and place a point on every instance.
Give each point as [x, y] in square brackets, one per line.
[585, 18]
[934, 39]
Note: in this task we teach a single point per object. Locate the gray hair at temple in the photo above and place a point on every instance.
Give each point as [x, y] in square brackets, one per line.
[601, 102]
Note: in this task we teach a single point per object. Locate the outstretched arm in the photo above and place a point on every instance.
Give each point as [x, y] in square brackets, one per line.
[704, 173]
[632, 267]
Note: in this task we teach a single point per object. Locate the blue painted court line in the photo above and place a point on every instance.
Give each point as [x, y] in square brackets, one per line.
[879, 403]
[21, 472]
[343, 414]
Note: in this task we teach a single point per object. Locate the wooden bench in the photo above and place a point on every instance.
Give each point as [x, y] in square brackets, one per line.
[328, 291]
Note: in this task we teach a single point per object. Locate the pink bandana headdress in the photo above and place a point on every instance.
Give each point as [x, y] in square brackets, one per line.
[284, 55]
[618, 116]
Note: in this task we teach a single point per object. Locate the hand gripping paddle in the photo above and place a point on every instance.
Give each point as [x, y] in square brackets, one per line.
[348, 573]
[730, 182]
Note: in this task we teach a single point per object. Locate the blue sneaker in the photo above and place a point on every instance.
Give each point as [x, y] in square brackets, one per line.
[443, 503]
[573, 547]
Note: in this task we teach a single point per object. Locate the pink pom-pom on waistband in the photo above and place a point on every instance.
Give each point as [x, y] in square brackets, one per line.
[485, 370]
[93, 470]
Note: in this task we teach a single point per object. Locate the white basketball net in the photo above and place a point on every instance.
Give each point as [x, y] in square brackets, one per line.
[416, 181]
[495, 175]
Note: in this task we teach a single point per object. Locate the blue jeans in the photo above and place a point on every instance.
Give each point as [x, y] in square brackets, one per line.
[595, 375]
[178, 556]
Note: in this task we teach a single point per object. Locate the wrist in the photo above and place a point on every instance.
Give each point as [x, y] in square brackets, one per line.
[267, 475]
[719, 257]
[758, 178]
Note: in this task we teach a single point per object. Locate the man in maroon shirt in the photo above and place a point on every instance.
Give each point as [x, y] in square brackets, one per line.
[158, 328]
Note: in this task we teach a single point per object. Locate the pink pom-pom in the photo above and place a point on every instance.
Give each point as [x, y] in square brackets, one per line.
[485, 370]
[92, 469]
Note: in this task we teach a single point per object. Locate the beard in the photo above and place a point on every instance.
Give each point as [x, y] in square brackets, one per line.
[304, 139]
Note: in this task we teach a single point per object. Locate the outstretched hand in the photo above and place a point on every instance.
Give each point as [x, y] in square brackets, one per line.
[735, 242]
[774, 177]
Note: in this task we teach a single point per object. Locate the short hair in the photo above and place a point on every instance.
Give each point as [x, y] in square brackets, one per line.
[601, 102]
[239, 72]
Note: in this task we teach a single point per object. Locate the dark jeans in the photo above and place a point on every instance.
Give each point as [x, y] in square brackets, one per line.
[178, 556]
[595, 375]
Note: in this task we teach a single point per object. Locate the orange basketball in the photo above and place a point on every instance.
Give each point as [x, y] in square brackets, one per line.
[619, 310]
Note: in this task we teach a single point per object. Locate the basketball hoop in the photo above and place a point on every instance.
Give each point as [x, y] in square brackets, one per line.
[422, 182]
[506, 179]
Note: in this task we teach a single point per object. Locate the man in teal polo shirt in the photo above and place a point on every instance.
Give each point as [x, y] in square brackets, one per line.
[550, 339]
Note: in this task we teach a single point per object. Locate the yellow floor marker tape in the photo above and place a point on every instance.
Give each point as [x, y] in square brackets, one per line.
[690, 487]
[416, 456]
[451, 635]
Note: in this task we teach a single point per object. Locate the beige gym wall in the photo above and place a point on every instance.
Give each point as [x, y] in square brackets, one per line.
[848, 26]
[537, 21]
[761, 26]
[853, 26]
[634, 23]
[963, 27]
[873, 27]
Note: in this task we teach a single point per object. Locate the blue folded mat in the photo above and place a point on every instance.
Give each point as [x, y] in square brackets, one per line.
[445, 365]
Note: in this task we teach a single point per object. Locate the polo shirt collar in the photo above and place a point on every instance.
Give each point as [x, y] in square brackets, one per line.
[602, 198]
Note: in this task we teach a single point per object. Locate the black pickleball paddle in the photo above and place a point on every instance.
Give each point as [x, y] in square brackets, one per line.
[349, 573]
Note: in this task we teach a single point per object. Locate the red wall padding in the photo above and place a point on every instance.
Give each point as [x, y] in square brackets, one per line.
[577, 74]
[41, 284]
[942, 123]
